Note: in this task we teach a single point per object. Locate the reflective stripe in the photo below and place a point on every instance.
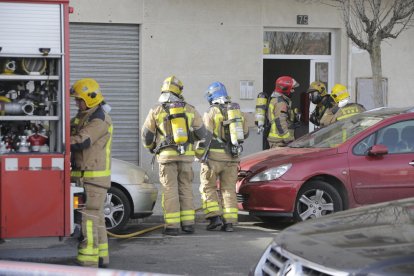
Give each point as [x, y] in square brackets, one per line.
[89, 237]
[108, 150]
[227, 216]
[345, 116]
[217, 150]
[172, 217]
[86, 258]
[231, 210]
[284, 136]
[103, 250]
[90, 173]
[210, 206]
[218, 118]
[230, 213]
[187, 215]
[88, 254]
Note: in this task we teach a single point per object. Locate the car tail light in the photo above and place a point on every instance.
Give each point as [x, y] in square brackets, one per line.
[78, 201]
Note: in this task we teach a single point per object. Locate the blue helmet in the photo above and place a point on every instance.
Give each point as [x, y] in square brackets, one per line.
[216, 91]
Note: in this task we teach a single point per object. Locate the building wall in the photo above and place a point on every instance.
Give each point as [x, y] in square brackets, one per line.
[204, 41]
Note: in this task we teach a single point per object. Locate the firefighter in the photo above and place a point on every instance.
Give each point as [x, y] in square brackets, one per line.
[342, 108]
[90, 145]
[282, 117]
[319, 96]
[169, 131]
[226, 130]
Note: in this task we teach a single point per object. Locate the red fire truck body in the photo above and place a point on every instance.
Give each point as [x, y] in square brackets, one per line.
[36, 197]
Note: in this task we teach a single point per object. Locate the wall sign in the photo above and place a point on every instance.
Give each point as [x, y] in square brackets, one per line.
[302, 19]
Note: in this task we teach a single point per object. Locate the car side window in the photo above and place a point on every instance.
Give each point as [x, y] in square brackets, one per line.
[399, 137]
[362, 147]
[406, 142]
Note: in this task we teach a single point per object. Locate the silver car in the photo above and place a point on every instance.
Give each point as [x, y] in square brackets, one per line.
[131, 195]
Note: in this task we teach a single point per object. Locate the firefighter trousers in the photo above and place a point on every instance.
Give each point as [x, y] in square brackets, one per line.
[213, 205]
[176, 178]
[94, 244]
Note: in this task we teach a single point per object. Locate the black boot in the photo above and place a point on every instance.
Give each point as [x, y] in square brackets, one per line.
[227, 227]
[214, 222]
[170, 231]
[189, 229]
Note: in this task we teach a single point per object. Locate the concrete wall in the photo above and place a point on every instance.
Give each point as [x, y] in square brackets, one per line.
[203, 41]
[397, 67]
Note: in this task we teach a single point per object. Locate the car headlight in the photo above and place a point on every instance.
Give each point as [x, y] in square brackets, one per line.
[272, 173]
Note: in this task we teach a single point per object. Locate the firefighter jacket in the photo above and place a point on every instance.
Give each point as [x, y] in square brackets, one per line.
[279, 114]
[90, 146]
[337, 113]
[218, 149]
[320, 109]
[157, 137]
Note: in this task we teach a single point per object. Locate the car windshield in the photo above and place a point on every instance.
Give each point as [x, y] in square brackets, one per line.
[339, 132]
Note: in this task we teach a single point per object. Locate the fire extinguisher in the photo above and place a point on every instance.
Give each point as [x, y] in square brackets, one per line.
[260, 116]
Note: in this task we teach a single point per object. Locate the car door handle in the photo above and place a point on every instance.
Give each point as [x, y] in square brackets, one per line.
[411, 163]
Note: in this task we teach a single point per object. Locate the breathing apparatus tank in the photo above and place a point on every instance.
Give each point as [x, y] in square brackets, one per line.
[260, 116]
[178, 125]
[235, 120]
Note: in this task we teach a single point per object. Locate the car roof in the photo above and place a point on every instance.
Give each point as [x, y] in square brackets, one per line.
[390, 110]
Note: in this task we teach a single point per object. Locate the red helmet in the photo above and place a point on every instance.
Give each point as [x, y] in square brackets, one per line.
[286, 85]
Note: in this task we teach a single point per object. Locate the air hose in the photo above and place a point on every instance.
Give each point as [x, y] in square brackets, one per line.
[126, 236]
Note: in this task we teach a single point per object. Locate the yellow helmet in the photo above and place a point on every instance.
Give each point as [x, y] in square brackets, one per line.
[172, 84]
[88, 90]
[317, 86]
[339, 93]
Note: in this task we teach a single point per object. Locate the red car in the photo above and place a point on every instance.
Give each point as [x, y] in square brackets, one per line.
[367, 158]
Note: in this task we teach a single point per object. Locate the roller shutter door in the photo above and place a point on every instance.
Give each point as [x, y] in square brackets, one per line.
[109, 54]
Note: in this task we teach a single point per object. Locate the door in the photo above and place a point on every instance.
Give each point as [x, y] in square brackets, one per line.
[296, 68]
[386, 177]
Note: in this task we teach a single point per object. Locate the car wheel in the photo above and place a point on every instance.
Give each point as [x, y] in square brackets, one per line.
[317, 199]
[117, 210]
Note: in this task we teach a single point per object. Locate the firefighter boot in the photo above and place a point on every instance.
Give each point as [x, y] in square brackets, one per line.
[170, 231]
[189, 229]
[227, 227]
[214, 223]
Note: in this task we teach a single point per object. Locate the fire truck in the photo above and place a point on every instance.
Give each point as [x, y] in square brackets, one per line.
[36, 196]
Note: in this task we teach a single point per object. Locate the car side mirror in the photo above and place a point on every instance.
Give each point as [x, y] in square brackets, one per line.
[378, 150]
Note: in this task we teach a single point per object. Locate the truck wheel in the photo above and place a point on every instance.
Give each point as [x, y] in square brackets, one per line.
[117, 210]
[317, 199]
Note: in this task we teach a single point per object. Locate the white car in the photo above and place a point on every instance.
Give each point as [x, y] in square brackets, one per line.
[131, 195]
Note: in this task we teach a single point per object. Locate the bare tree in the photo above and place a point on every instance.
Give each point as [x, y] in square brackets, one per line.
[368, 23]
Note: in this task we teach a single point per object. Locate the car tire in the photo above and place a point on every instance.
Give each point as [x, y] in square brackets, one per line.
[316, 199]
[117, 210]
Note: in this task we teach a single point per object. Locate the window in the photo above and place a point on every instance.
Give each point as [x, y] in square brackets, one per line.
[399, 138]
[297, 43]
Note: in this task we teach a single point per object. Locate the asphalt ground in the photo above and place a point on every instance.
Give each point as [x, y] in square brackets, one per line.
[202, 253]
